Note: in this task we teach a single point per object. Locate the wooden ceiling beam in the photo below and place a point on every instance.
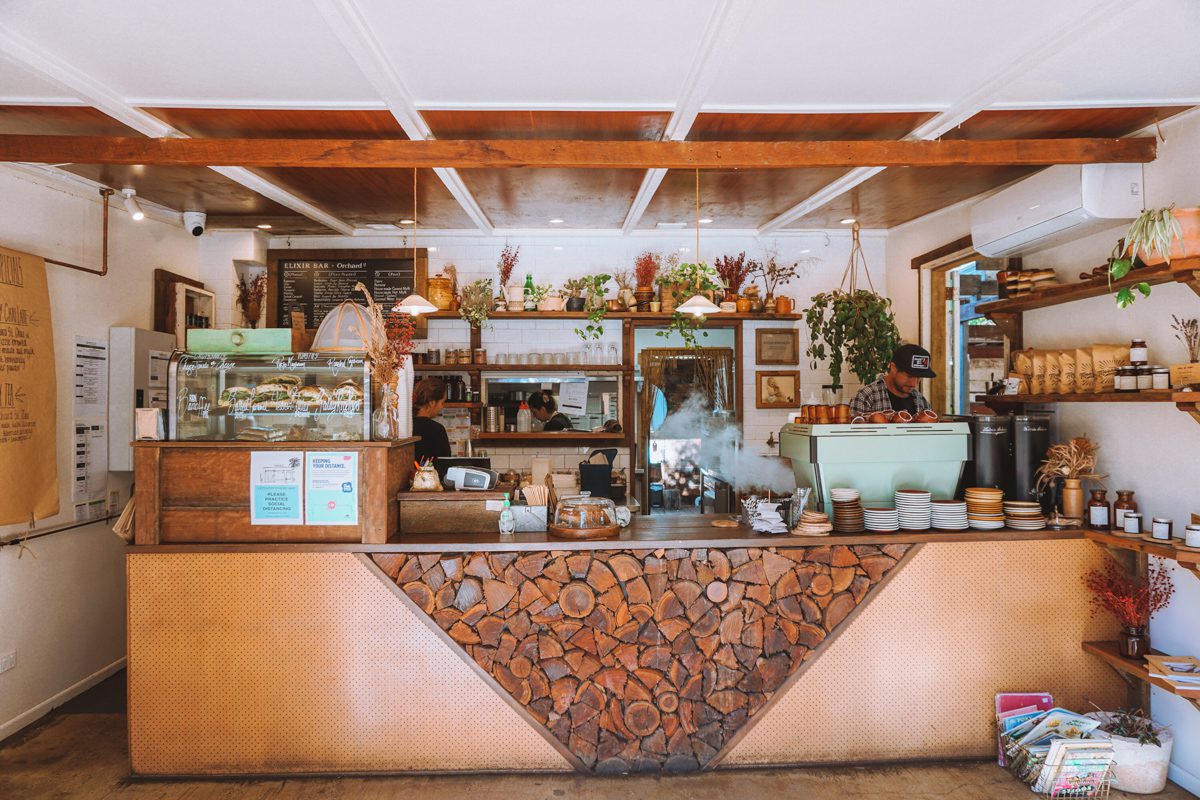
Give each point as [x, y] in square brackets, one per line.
[544, 153]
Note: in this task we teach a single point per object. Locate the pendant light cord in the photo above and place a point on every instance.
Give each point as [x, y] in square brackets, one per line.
[697, 215]
[414, 221]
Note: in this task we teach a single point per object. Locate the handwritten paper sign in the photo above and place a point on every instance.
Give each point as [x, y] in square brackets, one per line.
[28, 391]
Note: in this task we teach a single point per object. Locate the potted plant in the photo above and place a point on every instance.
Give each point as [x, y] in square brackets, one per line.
[594, 287]
[856, 327]
[1132, 601]
[681, 281]
[1072, 462]
[624, 280]
[547, 298]
[1141, 749]
[475, 301]
[574, 289]
[507, 262]
[1155, 237]
[666, 282]
[645, 269]
[733, 271]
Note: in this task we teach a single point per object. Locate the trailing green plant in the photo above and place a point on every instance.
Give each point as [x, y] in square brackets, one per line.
[594, 287]
[853, 328]
[1153, 232]
[475, 301]
[683, 281]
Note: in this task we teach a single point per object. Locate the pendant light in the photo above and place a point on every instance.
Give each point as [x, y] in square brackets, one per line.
[698, 305]
[414, 304]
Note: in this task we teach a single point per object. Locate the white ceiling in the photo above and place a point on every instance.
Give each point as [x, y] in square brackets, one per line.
[790, 54]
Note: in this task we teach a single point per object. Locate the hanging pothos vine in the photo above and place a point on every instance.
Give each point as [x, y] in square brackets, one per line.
[852, 326]
[684, 281]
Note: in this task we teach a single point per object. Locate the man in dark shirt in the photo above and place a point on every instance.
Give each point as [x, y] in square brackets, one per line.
[897, 390]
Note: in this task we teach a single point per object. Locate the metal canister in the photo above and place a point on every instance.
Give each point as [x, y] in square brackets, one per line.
[493, 419]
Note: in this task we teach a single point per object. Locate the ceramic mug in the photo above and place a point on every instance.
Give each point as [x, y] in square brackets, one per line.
[1191, 536]
[623, 516]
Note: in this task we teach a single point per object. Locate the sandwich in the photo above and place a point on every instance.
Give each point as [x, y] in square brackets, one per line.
[311, 396]
[274, 395]
[235, 395]
[347, 392]
[288, 380]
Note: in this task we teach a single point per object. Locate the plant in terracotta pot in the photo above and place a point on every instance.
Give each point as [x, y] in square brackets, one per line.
[1131, 600]
[1155, 237]
[594, 287]
[733, 271]
[645, 269]
[574, 289]
[1072, 462]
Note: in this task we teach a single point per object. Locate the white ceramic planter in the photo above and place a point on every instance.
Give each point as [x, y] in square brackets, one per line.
[1138, 768]
[551, 304]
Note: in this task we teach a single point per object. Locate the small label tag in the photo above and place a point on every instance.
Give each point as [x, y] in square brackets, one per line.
[494, 505]
[920, 362]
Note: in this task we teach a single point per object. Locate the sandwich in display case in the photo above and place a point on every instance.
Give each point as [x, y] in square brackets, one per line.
[301, 397]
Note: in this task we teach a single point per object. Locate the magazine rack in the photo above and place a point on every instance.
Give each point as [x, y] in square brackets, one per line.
[1069, 779]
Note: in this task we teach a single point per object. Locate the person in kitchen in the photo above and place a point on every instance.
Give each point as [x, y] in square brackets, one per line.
[544, 408]
[896, 389]
[429, 398]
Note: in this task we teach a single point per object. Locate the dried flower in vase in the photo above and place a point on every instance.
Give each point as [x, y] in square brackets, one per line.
[646, 268]
[451, 272]
[624, 280]
[1071, 460]
[1131, 601]
[1188, 332]
[250, 297]
[733, 271]
[509, 257]
[388, 341]
[773, 273]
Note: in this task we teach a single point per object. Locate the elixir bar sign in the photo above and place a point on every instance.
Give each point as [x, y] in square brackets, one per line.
[28, 393]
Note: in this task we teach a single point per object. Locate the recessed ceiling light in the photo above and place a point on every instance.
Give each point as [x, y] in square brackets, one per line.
[705, 221]
[558, 247]
[806, 250]
[666, 225]
[407, 221]
[431, 249]
[266, 226]
[683, 249]
[849, 221]
[556, 221]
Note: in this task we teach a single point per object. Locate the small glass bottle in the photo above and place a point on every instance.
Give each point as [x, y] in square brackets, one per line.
[508, 523]
[1099, 512]
[1145, 379]
[530, 303]
[1138, 352]
[1125, 503]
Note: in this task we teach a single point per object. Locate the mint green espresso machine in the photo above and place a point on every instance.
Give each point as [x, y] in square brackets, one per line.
[877, 459]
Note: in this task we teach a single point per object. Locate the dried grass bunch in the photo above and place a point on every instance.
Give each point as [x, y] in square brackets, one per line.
[388, 341]
[1072, 460]
[1188, 332]
[509, 257]
[1133, 602]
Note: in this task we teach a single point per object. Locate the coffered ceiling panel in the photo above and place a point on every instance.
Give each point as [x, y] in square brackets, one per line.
[1061, 123]
[60, 121]
[182, 188]
[19, 85]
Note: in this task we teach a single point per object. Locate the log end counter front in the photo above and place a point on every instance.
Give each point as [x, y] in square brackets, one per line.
[199, 492]
[675, 648]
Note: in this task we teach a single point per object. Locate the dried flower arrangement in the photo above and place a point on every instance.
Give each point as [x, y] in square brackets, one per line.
[1130, 723]
[773, 273]
[733, 271]
[509, 257]
[646, 268]
[451, 271]
[250, 295]
[475, 301]
[1072, 460]
[1188, 332]
[389, 339]
[1131, 601]
[624, 280]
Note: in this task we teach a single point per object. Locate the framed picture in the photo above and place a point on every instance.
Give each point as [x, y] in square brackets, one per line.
[777, 389]
[777, 346]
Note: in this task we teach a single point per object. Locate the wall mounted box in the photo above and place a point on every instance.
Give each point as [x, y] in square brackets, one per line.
[135, 380]
[256, 341]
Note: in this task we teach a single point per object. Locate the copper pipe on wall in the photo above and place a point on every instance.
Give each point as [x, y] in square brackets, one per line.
[104, 193]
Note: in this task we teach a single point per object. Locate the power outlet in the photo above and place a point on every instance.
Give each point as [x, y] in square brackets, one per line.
[8, 661]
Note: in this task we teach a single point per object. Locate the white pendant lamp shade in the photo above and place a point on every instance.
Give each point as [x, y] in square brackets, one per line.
[414, 304]
[345, 329]
[699, 305]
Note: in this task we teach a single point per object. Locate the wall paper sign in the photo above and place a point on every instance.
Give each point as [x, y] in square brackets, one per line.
[330, 488]
[28, 392]
[276, 484]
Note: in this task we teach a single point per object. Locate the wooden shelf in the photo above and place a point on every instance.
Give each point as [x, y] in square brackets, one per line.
[464, 405]
[1185, 558]
[555, 439]
[1136, 668]
[533, 368]
[650, 316]
[1081, 397]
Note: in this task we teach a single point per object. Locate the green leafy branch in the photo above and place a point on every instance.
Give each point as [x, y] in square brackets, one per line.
[857, 329]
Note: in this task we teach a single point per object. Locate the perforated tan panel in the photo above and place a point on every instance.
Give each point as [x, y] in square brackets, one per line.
[915, 674]
[269, 663]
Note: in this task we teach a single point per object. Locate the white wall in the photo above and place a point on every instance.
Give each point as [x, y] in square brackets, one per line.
[62, 604]
[1150, 448]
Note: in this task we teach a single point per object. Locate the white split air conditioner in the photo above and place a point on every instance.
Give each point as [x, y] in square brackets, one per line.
[1057, 205]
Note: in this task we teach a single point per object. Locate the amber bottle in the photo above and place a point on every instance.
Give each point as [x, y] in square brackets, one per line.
[1125, 502]
[1099, 512]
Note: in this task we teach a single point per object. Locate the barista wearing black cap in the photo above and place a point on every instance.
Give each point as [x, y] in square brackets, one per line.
[896, 390]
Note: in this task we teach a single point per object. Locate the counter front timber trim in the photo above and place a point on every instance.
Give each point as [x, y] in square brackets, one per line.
[644, 660]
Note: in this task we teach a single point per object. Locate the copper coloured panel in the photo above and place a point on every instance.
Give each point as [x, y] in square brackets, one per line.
[803, 127]
[281, 123]
[1061, 123]
[60, 121]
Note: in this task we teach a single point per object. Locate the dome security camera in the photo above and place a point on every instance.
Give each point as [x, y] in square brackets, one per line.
[194, 221]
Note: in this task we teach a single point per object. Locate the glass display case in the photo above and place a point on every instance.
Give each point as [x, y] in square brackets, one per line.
[303, 397]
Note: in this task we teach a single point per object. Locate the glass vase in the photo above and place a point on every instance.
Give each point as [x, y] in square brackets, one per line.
[1134, 641]
[385, 419]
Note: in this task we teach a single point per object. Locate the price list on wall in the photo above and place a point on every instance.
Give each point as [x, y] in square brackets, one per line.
[317, 286]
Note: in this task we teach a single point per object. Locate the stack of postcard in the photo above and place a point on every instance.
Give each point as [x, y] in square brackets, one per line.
[1052, 750]
[1182, 672]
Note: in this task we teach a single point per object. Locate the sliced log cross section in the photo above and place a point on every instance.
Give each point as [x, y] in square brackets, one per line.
[642, 660]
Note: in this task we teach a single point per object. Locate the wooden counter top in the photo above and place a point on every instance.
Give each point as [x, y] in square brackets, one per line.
[650, 533]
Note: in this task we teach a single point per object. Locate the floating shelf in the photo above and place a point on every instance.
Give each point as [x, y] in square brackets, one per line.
[1136, 668]
[1081, 397]
[554, 439]
[464, 405]
[535, 368]
[1186, 559]
[649, 316]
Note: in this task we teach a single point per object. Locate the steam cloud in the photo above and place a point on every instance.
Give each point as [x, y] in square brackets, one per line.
[719, 449]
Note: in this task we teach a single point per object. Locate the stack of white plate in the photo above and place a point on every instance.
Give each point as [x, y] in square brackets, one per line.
[881, 520]
[912, 506]
[983, 508]
[847, 510]
[1022, 515]
[950, 515]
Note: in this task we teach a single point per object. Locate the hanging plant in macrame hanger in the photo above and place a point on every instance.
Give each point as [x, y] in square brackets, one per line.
[852, 326]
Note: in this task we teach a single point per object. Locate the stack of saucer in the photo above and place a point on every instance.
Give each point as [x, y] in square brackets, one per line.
[984, 510]
[950, 515]
[813, 523]
[881, 520]
[913, 508]
[847, 510]
[1022, 515]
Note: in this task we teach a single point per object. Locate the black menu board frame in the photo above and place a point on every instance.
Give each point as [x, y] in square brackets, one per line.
[318, 279]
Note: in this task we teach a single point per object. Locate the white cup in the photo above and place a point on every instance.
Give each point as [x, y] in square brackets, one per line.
[1191, 536]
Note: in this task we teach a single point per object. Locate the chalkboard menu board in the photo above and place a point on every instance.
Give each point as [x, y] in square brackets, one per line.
[315, 282]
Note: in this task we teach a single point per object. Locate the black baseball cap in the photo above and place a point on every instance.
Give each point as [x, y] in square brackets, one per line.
[914, 360]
